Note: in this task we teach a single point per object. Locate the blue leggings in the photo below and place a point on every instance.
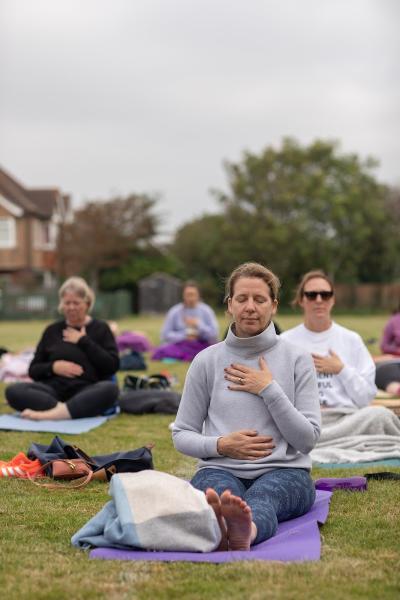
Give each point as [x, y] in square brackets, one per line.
[278, 495]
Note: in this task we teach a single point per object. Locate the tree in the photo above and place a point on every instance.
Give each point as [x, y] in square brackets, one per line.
[140, 264]
[199, 245]
[296, 208]
[105, 234]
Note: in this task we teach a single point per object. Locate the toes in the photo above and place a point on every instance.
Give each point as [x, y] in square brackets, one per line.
[226, 496]
[28, 413]
[212, 495]
[213, 499]
[215, 503]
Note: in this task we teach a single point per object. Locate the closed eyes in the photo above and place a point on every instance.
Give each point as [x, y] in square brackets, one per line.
[257, 299]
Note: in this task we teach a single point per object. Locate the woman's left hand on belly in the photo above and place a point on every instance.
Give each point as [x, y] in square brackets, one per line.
[247, 379]
[67, 368]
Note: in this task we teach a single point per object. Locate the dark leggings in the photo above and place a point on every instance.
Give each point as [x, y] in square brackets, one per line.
[387, 372]
[276, 496]
[91, 401]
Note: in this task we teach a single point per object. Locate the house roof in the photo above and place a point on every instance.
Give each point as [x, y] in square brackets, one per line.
[38, 202]
[44, 200]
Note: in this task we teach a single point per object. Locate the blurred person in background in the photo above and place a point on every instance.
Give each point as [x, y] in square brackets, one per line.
[72, 365]
[388, 364]
[189, 327]
[345, 369]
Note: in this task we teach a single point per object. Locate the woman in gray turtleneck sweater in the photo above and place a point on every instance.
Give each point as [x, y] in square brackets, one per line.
[250, 413]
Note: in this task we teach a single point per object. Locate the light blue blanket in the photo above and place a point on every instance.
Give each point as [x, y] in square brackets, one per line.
[154, 511]
[70, 426]
[388, 462]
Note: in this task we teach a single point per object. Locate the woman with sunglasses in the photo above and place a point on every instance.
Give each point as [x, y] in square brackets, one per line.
[345, 369]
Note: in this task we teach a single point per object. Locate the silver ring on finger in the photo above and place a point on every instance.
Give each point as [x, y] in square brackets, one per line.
[241, 380]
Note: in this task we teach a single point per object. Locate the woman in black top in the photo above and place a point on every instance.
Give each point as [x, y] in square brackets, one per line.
[73, 363]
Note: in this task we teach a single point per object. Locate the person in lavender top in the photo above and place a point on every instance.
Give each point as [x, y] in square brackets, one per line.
[390, 343]
[189, 327]
[250, 413]
[388, 365]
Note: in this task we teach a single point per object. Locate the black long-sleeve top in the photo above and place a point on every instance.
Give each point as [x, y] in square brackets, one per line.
[96, 352]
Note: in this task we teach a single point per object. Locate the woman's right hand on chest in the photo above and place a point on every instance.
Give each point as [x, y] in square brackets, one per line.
[245, 444]
[66, 368]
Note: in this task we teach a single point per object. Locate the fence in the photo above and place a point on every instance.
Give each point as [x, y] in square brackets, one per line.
[384, 296]
[115, 305]
[44, 304]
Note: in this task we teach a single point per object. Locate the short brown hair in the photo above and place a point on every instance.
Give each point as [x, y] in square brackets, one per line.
[298, 295]
[191, 283]
[252, 269]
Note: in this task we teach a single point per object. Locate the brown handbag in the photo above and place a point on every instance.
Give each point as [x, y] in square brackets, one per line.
[66, 469]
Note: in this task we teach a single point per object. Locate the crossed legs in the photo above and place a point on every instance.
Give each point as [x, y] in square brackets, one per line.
[249, 510]
[39, 401]
[388, 376]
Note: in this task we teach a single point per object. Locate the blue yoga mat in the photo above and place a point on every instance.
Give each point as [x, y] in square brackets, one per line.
[70, 426]
[389, 462]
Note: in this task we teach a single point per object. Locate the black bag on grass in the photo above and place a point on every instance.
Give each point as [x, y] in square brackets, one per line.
[153, 382]
[142, 401]
[130, 461]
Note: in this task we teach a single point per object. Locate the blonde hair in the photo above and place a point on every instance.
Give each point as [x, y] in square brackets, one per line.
[252, 269]
[78, 286]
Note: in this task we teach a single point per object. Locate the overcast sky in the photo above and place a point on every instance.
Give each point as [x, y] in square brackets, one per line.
[106, 97]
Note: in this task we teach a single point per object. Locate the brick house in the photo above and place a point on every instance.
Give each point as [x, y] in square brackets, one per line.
[29, 222]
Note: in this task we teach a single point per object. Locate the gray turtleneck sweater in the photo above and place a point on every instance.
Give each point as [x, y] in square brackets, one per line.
[287, 409]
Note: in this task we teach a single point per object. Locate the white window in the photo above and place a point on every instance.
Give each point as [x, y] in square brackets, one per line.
[44, 235]
[7, 232]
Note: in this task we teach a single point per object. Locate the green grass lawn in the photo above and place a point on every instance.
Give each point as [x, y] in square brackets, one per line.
[360, 541]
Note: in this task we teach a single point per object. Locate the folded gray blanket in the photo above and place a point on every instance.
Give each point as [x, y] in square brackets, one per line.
[357, 435]
[153, 511]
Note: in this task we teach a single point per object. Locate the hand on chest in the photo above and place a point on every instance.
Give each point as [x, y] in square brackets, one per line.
[247, 378]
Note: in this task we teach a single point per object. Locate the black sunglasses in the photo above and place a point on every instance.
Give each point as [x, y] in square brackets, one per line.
[325, 295]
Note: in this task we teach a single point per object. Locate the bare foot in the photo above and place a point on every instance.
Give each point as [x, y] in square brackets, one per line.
[393, 388]
[215, 503]
[238, 518]
[60, 411]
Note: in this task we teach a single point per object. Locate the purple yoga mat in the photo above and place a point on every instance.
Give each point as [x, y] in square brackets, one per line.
[130, 340]
[295, 540]
[185, 350]
[354, 484]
